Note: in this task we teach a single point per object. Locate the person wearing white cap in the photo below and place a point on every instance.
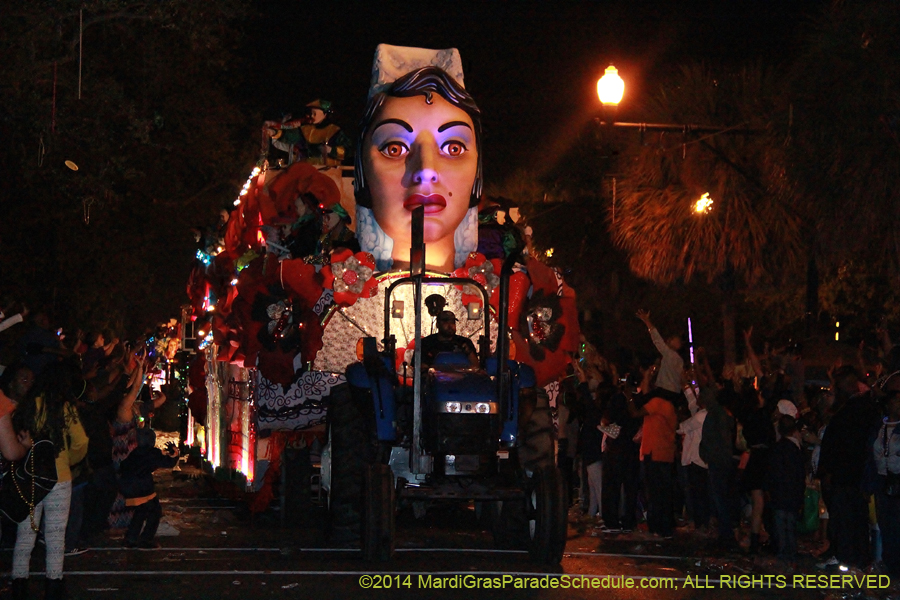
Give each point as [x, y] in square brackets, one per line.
[786, 407]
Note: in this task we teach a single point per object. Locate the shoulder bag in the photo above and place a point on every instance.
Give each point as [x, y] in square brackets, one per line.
[28, 481]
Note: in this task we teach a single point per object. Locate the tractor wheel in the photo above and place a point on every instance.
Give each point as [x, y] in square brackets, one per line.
[536, 452]
[545, 510]
[510, 525]
[378, 516]
[536, 440]
[486, 512]
[347, 433]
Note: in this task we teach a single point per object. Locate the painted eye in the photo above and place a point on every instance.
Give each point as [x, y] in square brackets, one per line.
[454, 148]
[394, 149]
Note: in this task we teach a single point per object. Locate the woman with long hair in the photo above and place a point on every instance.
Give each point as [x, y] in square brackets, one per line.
[48, 413]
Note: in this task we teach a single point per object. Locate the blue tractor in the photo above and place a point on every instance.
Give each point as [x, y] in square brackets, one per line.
[448, 431]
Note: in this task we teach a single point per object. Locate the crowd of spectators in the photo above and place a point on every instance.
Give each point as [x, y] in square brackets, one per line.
[86, 393]
[749, 457]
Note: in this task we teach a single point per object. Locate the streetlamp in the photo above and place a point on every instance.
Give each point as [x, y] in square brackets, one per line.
[610, 87]
[703, 205]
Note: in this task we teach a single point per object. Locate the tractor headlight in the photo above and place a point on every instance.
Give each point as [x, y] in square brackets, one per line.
[453, 407]
[482, 408]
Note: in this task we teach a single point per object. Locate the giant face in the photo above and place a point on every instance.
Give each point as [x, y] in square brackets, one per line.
[421, 154]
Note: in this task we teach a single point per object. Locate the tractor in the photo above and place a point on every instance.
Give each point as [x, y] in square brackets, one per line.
[449, 431]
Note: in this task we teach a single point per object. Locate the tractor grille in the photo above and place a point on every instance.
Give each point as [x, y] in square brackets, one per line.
[464, 433]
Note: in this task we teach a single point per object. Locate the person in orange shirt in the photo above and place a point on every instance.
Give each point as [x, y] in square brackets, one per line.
[657, 458]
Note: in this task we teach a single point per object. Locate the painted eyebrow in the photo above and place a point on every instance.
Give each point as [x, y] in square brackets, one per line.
[447, 126]
[399, 122]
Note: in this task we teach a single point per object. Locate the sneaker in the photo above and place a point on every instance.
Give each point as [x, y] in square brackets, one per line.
[831, 562]
[76, 551]
[606, 529]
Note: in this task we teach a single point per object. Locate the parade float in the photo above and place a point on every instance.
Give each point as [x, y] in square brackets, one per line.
[288, 285]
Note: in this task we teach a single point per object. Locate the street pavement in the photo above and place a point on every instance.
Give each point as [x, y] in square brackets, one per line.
[213, 549]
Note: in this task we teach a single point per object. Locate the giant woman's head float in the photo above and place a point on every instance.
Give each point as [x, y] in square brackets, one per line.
[420, 144]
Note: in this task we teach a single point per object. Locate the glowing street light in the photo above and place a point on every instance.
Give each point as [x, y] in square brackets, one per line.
[610, 87]
[704, 204]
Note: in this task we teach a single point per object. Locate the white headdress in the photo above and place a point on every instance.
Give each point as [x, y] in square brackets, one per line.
[393, 62]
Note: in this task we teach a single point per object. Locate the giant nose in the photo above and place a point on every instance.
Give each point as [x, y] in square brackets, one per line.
[422, 166]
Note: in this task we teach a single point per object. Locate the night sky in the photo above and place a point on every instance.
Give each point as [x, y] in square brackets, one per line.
[532, 67]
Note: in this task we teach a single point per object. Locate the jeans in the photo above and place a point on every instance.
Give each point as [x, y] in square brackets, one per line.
[566, 466]
[145, 522]
[55, 510]
[620, 475]
[658, 483]
[786, 533]
[698, 491]
[849, 525]
[888, 510]
[99, 495]
[595, 482]
[719, 481]
[76, 514]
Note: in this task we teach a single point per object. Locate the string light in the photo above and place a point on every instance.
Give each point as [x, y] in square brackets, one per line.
[256, 171]
[206, 341]
[203, 257]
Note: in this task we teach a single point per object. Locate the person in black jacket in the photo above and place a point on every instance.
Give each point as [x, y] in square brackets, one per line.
[621, 464]
[845, 452]
[786, 485]
[136, 484]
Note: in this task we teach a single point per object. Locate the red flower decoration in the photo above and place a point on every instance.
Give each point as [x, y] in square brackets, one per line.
[484, 271]
[547, 327]
[351, 276]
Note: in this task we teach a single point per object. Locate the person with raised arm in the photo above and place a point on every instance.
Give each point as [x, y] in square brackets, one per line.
[671, 367]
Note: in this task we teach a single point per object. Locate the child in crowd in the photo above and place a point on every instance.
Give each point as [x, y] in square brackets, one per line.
[137, 485]
[786, 486]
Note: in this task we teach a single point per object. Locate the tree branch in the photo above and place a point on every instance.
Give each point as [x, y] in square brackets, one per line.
[127, 16]
[73, 44]
[751, 180]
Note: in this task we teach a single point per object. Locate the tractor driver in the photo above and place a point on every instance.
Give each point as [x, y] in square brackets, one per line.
[446, 340]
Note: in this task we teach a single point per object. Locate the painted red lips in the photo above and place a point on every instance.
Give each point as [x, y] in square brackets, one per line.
[433, 203]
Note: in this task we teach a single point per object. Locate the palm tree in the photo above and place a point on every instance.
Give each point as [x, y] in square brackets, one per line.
[752, 233]
[845, 139]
